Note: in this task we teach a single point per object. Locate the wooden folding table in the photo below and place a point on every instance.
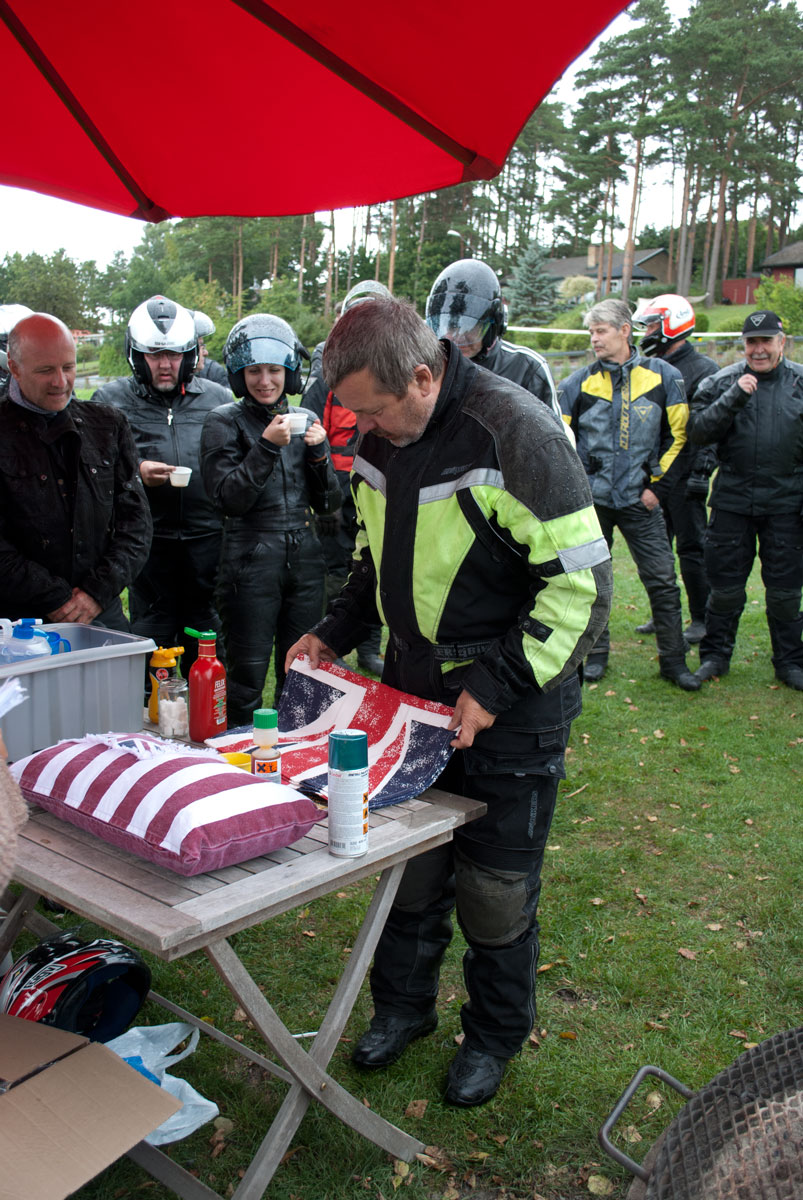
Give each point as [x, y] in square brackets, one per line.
[171, 916]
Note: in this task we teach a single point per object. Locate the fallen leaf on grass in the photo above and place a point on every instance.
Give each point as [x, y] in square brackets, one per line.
[436, 1158]
[239, 1014]
[738, 1033]
[416, 1108]
[654, 1025]
[684, 953]
[451, 1193]
[631, 1135]
[653, 1100]
[600, 1185]
[597, 900]
[568, 1035]
[715, 926]
[459, 1038]
[658, 733]
[639, 896]
[401, 1168]
[308, 933]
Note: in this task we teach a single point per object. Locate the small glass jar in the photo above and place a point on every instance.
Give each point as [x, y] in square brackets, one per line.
[174, 712]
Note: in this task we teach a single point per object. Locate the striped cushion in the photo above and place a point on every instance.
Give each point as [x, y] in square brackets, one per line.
[183, 808]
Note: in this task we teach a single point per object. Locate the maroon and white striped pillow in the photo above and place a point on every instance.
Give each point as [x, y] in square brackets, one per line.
[186, 809]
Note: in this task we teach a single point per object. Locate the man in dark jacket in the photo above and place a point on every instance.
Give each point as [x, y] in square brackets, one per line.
[465, 305]
[480, 549]
[74, 522]
[629, 415]
[667, 321]
[166, 407]
[752, 411]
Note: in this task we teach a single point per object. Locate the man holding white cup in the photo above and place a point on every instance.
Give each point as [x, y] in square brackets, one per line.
[166, 405]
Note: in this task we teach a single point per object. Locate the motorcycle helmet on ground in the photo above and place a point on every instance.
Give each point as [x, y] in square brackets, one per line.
[674, 317]
[160, 324]
[94, 989]
[9, 315]
[465, 305]
[366, 289]
[262, 338]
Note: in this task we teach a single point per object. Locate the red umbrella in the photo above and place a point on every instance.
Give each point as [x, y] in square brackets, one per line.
[201, 107]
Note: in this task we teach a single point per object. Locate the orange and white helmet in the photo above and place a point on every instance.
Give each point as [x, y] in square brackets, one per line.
[674, 316]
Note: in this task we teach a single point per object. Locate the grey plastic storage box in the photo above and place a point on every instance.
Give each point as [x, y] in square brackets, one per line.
[97, 687]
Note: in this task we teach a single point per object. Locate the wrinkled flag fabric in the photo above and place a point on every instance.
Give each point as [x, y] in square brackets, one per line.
[408, 742]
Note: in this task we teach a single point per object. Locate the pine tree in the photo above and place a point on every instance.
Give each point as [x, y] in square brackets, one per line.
[533, 291]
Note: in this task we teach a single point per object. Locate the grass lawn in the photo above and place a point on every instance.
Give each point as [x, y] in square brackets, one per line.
[670, 915]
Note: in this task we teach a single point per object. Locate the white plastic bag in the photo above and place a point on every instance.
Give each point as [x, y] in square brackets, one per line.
[151, 1047]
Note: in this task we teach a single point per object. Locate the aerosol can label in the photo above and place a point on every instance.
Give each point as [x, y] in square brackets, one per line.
[348, 812]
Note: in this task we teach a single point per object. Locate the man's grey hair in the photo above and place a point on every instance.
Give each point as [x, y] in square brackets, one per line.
[386, 336]
[36, 321]
[609, 312]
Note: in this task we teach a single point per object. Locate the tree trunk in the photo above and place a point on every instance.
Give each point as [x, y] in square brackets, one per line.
[392, 256]
[770, 221]
[608, 186]
[709, 225]
[683, 230]
[751, 235]
[239, 270]
[609, 279]
[350, 275]
[301, 260]
[327, 295]
[630, 244]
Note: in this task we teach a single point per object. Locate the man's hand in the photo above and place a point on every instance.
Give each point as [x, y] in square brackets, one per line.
[154, 474]
[471, 717]
[80, 607]
[315, 650]
[649, 499]
[748, 383]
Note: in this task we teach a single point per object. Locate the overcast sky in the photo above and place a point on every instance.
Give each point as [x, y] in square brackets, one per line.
[31, 222]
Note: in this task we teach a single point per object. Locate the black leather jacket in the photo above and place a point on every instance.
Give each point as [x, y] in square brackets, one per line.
[167, 428]
[73, 511]
[759, 438]
[261, 487]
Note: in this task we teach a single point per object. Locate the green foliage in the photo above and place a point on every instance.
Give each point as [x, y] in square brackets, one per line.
[575, 286]
[112, 361]
[86, 352]
[784, 298]
[46, 284]
[533, 291]
[701, 323]
[282, 300]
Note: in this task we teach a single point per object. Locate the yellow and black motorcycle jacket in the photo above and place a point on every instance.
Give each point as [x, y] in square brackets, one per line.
[480, 549]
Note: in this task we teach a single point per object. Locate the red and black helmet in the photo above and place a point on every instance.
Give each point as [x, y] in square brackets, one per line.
[669, 319]
[94, 989]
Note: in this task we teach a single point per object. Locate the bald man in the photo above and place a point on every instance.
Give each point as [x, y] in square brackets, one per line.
[75, 526]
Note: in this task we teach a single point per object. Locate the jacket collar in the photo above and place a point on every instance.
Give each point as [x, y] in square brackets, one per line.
[457, 377]
[600, 364]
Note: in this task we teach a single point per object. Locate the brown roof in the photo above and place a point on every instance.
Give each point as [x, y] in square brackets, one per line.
[562, 268]
[790, 256]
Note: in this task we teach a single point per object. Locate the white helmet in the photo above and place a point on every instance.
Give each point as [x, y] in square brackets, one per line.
[161, 324]
[204, 325]
[674, 316]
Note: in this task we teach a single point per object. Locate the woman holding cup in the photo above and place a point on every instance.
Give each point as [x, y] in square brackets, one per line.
[267, 466]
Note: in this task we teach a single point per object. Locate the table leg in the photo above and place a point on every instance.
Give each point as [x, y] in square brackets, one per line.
[15, 918]
[308, 1069]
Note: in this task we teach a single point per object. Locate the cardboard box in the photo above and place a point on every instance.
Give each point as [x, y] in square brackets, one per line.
[96, 688]
[68, 1108]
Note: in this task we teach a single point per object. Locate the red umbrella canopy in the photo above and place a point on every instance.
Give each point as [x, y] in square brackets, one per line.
[204, 107]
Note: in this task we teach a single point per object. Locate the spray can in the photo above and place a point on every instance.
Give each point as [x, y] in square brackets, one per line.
[266, 760]
[348, 793]
[163, 666]
[207, 682]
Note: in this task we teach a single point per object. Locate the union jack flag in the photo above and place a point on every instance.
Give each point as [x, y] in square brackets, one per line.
[408, 742]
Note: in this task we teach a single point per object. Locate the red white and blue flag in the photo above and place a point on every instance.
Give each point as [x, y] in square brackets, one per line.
[408, 742]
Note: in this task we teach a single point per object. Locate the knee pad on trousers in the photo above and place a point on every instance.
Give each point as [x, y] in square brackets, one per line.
[493, 906]
[725, 600]
[783, 604]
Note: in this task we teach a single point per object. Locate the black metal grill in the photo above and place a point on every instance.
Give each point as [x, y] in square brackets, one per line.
[741, 1136]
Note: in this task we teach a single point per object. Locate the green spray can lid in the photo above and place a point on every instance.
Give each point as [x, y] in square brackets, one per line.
[266, 718]
[348, 750]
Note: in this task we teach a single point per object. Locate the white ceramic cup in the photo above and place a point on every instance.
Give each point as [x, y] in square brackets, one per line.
[298, 423]
[180, 476]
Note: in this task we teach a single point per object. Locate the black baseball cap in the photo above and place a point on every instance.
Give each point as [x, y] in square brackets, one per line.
[763, 323]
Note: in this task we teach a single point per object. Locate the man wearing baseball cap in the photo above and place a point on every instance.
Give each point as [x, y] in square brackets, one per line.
[752, 411]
